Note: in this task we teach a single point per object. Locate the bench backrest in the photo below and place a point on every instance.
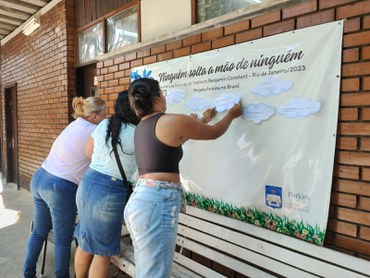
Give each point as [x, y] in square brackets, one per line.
[256, 252]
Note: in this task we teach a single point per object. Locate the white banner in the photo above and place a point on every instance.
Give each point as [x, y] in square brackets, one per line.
[274, 165]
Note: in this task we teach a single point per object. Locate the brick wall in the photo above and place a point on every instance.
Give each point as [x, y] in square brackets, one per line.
[349, 222]
[42, 66]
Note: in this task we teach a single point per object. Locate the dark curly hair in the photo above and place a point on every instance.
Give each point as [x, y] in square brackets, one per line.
[141, 94]
[123, 115]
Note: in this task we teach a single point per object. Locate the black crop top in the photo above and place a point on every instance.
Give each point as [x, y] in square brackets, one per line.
[153, 156]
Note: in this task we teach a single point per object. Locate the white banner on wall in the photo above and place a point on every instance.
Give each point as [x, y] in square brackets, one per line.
[274, 165]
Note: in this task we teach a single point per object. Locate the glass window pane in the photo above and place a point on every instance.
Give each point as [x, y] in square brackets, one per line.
[122, 29]
[208, 9]
[90, 43]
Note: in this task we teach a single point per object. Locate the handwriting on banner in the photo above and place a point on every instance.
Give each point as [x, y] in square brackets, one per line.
[258, 112]
[272, 86]
[299, 108]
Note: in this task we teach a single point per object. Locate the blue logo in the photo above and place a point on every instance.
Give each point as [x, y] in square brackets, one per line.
[274, 196]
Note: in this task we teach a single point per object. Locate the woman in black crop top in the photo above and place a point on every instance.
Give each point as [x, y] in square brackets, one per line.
[151, 214]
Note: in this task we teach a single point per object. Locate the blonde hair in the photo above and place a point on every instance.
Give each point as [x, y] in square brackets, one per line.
[87, 107]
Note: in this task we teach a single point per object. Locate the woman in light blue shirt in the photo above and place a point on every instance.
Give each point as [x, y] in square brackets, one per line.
[101, 196]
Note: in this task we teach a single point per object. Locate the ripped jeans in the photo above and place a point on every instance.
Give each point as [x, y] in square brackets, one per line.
[152, 216]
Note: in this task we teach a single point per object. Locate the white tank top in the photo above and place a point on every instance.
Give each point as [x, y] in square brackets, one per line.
[67, 157]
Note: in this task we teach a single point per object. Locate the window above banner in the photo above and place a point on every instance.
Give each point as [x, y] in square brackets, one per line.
[122, 29]
[207, 9]
[112, 31]
[136, 23]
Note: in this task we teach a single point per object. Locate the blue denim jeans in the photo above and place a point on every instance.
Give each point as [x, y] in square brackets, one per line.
[55, 208]
[152, 216]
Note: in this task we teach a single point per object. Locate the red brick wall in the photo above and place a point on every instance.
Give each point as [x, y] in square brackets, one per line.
[42, 66]
[349, 223]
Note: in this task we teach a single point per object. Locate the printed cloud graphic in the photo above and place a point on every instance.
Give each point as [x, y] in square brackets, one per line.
[258, 112]
[225, 102]
[175, 96]
[197, 103]
[299, 108]
[272, 86]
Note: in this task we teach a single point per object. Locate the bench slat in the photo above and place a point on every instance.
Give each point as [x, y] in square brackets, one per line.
[222, 259]
[332, 257]
[196, 267]
[230, 248]
[123, 263]
[126, 263]
[178, 271]
[267, 249]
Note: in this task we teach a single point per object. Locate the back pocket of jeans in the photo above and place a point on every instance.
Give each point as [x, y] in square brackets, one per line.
[139, 214]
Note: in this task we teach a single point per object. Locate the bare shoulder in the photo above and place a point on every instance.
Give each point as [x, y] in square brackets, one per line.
[176, 116]
[177, 119]
[171, 128]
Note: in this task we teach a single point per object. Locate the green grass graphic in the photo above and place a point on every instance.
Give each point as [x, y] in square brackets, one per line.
[284, 225]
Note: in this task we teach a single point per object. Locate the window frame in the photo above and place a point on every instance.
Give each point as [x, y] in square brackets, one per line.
[107, 31]
[103, 20]
[194, 16]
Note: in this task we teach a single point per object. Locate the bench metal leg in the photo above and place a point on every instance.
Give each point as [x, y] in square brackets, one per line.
[44, 248]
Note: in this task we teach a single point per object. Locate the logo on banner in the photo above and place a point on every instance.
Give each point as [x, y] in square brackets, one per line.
[274, 197]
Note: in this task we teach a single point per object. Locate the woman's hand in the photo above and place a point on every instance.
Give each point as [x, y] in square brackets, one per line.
[194, 116]
[236, 110]
[208, 115]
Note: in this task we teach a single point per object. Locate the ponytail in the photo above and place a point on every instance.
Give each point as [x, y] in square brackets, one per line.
[123, 115]
[141, 93]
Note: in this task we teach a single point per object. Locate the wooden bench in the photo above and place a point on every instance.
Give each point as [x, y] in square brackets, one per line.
[211, 245]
